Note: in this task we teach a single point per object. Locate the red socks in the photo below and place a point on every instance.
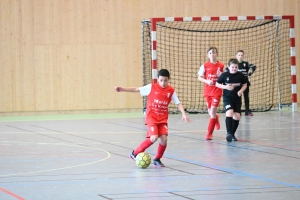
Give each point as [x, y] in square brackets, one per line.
[160, 151]
[147, 143]
[143, 146]
[211, 125]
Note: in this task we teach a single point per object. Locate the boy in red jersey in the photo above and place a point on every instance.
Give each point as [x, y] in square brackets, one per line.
[208, 74]
[159, 97]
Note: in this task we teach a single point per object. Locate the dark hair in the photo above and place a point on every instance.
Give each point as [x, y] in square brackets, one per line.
[164, 72]
[210, 48]
[238, 51]
[233, 61]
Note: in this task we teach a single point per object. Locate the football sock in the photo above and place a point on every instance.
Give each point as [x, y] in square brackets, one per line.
[235, 124]
[160, 151]
[211, 125]
[228, 122]
[143, 146]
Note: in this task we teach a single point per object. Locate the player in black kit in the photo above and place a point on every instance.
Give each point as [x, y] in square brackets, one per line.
[244, 67]
[233, 84]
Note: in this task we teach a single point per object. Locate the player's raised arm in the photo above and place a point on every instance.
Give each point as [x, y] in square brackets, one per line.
[126, 89]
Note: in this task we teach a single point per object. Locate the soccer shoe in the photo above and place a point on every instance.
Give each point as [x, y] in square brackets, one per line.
[217, 125]
[132, 156]
[158, 163]
[234, 138]
[208, 136]
[248, 113]
[229, 137]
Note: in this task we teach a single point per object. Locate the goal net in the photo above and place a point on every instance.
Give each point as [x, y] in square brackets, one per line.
[180, 45]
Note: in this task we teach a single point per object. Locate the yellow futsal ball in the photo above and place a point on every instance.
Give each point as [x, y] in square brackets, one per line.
[143, 160]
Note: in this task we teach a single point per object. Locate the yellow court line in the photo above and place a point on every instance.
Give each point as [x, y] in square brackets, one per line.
[62, 168]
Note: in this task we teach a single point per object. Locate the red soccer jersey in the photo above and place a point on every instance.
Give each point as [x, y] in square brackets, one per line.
[157, 104]
[210, 73]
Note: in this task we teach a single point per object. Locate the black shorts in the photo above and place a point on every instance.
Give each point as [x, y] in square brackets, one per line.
[236, 106]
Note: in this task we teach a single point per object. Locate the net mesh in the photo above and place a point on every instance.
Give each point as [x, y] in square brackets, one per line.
[182, 49]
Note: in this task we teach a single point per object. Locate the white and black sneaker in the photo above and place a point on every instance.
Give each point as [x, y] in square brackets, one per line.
[132, 156]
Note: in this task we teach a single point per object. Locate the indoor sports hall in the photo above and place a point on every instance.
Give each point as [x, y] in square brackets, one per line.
[68, 130]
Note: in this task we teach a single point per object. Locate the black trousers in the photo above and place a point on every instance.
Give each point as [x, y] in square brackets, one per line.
[246, 97]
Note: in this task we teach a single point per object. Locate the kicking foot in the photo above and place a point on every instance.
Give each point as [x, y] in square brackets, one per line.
[132, 156]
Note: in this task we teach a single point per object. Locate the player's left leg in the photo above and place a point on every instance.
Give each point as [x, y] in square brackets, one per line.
[162, 145]
[212, 120]
[229, 118]
[236, 120]
[214, 117]
[247, 102]
[214, 114]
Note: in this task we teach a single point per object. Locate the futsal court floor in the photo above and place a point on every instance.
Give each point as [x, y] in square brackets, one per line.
[86, 157]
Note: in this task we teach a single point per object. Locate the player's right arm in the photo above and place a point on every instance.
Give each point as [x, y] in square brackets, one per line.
[127, 89]
[225, 87]
[219, 84]
[144, 91]
[201, 76]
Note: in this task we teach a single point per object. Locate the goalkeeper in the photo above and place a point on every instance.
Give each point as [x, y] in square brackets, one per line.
[247, 69]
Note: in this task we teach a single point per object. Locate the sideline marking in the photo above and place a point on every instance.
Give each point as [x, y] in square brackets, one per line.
[11, 194]
[62, 168]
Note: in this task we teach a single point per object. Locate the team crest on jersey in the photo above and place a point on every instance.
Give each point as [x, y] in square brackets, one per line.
[152, 128]
[168, 95]
[227, 79]
[244, 64]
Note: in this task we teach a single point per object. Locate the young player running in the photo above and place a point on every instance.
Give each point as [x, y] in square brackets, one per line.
[208, 74]
[233, 84]
[159, 97]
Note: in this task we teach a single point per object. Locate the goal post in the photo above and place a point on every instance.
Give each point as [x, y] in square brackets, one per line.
[180, 45]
